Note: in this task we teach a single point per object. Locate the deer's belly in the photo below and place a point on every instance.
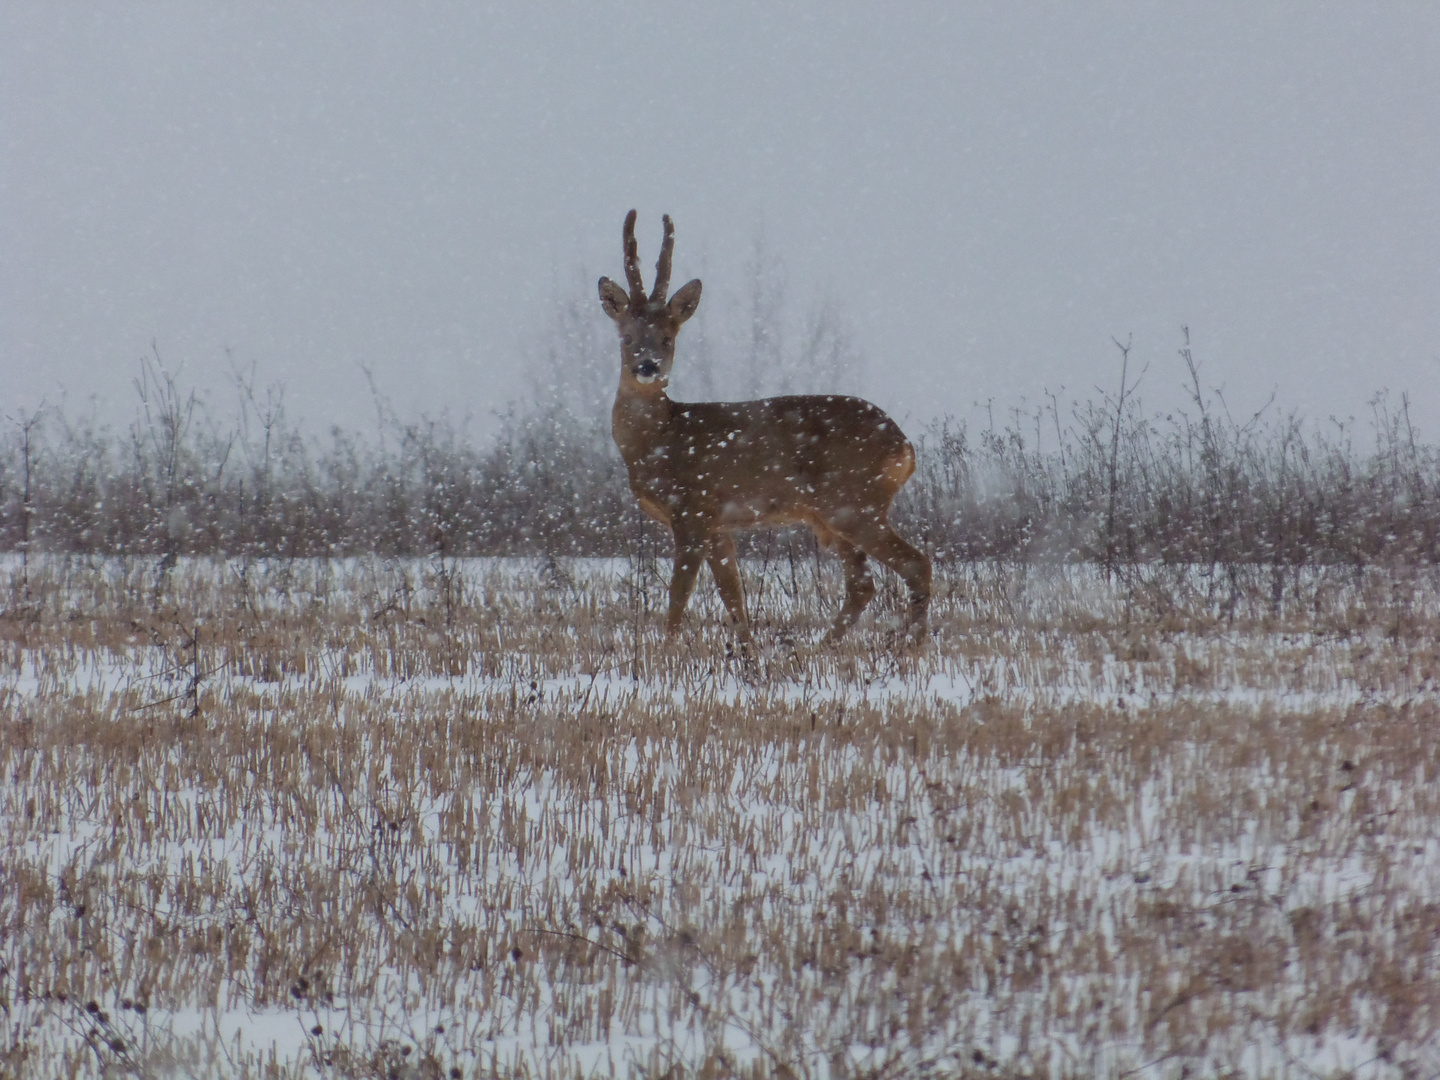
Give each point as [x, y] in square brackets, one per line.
[721, 502]
[750, 513]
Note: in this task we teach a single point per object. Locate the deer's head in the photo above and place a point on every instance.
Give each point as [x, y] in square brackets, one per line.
[648, 325]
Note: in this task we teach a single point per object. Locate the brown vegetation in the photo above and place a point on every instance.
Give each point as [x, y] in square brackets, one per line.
[403, 818]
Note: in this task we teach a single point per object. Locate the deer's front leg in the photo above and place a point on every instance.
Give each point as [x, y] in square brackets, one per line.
[691, 545]
[725, 565]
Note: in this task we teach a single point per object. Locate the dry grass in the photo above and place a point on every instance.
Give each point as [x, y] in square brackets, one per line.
[434, 819]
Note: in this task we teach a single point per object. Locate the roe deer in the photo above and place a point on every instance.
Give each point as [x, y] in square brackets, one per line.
[704, 469]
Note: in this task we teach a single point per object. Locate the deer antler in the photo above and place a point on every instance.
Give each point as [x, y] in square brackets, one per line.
[662, 268]
[632, 263]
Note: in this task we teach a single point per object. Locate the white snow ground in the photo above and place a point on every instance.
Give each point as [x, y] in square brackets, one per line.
[815, 863]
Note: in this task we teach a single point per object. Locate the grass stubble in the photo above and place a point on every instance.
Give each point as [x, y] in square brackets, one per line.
[430, 819]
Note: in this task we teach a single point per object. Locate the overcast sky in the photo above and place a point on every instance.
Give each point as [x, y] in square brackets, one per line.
[989, 194]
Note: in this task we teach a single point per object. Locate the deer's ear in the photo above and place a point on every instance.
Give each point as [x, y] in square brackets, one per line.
[685, 301]
[613, 299]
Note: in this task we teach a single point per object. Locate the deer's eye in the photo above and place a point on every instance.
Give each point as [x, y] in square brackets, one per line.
[667, 342]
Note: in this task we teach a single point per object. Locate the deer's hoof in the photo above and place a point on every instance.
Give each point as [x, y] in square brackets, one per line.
[917, 636]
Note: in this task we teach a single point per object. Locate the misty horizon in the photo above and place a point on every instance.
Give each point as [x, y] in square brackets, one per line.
[982, 200]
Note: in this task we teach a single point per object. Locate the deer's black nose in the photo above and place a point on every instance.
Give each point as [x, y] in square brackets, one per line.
[647, 369]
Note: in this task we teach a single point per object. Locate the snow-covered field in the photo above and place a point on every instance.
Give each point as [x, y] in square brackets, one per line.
[369, 818]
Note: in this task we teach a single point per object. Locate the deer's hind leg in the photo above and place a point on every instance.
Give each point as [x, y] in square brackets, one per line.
[725, 566]
[882, 543]
[859, 587]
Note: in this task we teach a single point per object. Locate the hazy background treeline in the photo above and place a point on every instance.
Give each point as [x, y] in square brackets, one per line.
[1101, 479]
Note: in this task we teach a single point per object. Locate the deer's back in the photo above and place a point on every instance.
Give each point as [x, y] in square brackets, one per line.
[773, 456]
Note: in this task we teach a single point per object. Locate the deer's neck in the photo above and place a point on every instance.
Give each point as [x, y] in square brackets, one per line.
[640, 423]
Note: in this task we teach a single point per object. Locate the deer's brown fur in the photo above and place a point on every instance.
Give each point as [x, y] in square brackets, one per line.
[704, 469]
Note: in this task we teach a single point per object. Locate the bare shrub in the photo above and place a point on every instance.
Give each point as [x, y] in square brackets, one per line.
[1102, 481]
